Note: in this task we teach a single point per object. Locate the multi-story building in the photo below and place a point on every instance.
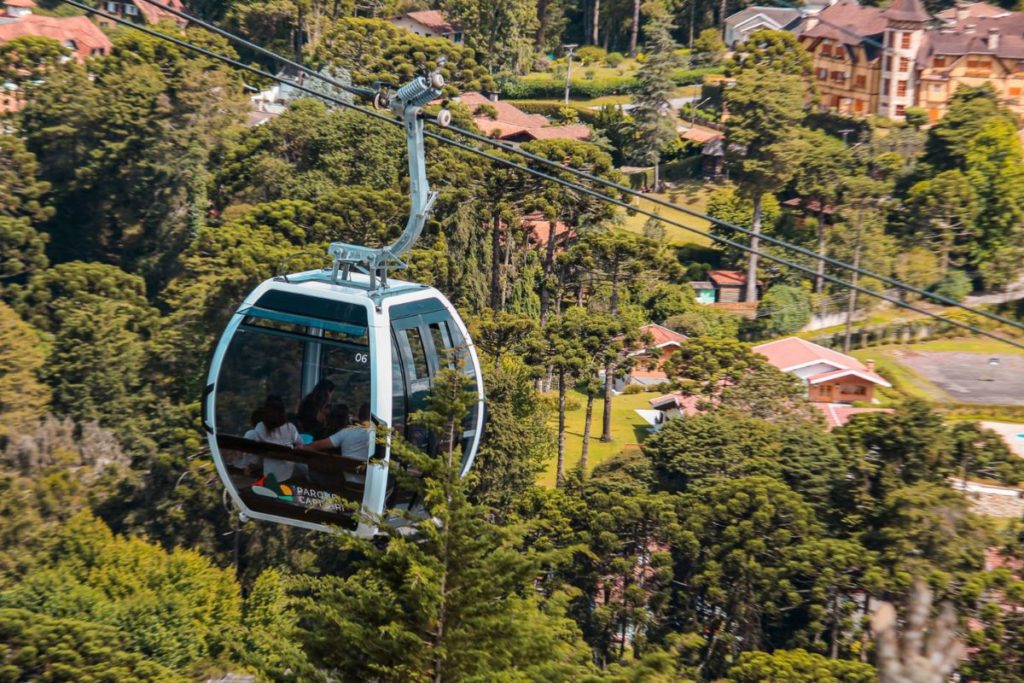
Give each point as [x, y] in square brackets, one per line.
[870, 61]
[140, 12]
[844, 41]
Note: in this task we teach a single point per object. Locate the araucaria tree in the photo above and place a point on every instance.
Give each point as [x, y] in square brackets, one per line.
[764, 108]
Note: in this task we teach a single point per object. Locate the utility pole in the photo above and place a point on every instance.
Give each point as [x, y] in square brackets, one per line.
[568, 72]
[852, 303]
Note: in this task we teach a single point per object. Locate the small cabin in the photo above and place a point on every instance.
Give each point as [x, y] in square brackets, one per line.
[730, 286]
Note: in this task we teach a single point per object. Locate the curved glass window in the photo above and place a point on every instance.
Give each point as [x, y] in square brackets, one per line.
[315, 375]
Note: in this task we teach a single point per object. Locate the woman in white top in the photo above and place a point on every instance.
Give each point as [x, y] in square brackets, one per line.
[275, 428]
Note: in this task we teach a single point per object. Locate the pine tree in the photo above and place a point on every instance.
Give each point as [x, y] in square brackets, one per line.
[455, 600]
[653, 120]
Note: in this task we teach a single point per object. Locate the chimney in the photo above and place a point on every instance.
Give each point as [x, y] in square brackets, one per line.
[870, 365]
[993, 39]
[810, 22]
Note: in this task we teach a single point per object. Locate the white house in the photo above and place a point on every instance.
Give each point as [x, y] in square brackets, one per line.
[429, 23]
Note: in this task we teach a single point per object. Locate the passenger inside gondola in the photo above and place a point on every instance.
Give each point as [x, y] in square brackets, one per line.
[314, 412]
[275, 428]
[352, 441]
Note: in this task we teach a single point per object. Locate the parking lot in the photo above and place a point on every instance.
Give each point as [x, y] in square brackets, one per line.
[968, 377]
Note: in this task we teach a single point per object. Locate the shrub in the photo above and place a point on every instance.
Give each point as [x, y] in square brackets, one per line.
[614, 59]
[486, 110]
[954, 285]
[705, 321]
[589, 74]
[591, 54]
[540, 87]
[916, 116]
[785, 309]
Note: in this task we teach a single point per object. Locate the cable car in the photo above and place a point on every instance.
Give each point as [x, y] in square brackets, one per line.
[313, 365]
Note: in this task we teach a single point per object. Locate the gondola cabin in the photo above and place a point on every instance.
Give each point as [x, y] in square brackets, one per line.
[342, 361]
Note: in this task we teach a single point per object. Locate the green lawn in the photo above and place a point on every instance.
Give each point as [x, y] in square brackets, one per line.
[693, 195]
[627, 428]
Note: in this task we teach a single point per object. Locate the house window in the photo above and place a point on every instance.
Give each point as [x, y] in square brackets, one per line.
[854, 389]
[1013, 92]
[861, 82]
[888, 63]
[905, 40]
[885, 86]
[858, 106]
[901, 88]
[131, 10]
[939, 62]
[826, 50]
[837, 76]
[822, 74]
[112, 7]
[900, 110]
[904, 65]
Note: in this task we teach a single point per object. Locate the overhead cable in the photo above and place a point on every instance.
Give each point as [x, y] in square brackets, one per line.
[561, 181]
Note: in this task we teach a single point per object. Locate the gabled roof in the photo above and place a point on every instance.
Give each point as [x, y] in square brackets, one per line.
[728, 278]
[28, 4]
[971, 10]
[779, 16]
[686, 404]
[906, 10]
[433, 20]
[846, 22]
[793, 353]
[79, 31]
[662, 336]
[847, 372]
[511, 122]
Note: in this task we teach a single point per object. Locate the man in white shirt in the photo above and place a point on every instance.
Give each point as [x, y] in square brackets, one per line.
[352, 442]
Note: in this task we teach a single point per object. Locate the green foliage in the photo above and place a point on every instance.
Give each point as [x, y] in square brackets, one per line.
[652, 129]
[455, 602]
[175, 607]
[44, 648]
[785, 309]
[613, 59]
[22, 248]
[30, 58]
[943, 210]
[100, 322]
[732, 205]
[592, 54]
[535, 88]
[918, 266]
[24, 193]
[916, 116]
[773, 51]
[23, 399]
[709, 45]
[705, 321]
[374, 50]
[798, 666]
[954, 285]
[982, 453]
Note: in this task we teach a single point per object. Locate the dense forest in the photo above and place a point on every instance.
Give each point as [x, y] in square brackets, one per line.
[745, 543]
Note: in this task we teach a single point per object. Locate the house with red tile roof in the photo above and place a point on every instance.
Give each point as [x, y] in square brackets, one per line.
[140, 12]
[505, 121]
[17, 8]
[831, 377]
[649, 360]
[430, 24]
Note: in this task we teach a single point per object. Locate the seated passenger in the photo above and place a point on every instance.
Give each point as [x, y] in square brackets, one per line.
[275, 428]
[313, 411]
[352, 442]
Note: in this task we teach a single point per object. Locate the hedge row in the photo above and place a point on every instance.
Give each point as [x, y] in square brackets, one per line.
[541, 88]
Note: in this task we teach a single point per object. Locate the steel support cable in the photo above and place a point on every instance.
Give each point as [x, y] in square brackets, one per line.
[545, 176]
[863, 272]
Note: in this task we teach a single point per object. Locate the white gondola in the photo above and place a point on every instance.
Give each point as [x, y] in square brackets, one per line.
[349, 354]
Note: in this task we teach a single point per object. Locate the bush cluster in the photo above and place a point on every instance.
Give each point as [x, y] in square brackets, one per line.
[550, 87]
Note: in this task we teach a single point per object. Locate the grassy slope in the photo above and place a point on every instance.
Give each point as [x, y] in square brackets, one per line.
[627, 428]
[693, 195]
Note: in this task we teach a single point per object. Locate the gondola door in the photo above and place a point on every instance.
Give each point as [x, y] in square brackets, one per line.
[418, 360]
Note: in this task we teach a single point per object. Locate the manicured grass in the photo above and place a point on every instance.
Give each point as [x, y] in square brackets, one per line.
[982, 345]
[692, 195]
[627, 428]
[904, 380]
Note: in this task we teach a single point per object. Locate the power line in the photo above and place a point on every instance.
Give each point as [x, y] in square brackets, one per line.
[551, 178]
[863, 272]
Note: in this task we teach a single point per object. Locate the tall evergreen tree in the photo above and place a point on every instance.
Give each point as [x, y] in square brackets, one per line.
[653, 120]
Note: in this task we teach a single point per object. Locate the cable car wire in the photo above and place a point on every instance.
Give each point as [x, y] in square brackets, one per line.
[568, 184]
[863, 272]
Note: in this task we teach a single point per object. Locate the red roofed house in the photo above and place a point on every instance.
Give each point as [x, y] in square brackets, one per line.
[831, 377]
[140, 11]
[429, 23]
[16, 9]
[649, 369]
[507, 122]
[78, 34]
